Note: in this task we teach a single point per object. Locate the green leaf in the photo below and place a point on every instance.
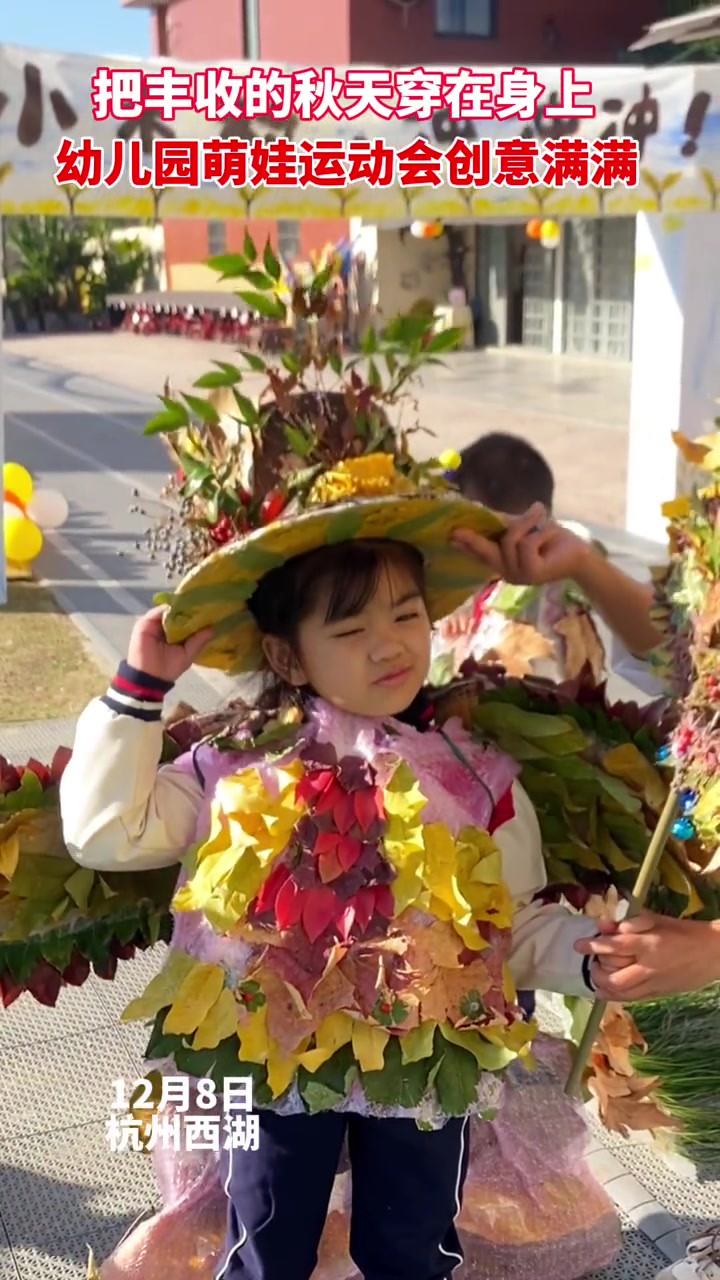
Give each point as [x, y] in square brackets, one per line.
[400, 1084]
[369, 345]
[271, 263]
[259, 280]
[264, 304]
[445, 340]
[202, 409]
[324, 1088]
[335, 361]
[457, 1080]
[317, 1097]
[249, 412]
[79, 886]
[168, 420]
[249, 249]
[225, 376]
[300, 444]
[255, 362]
[374, 377]
[291, 362]
[231, 266]
[345, 526]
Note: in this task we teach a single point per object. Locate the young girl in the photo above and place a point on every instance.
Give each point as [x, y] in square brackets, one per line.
[359, 904]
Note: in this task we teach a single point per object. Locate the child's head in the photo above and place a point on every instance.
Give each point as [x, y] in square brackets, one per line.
[505, 473]
[349, 622]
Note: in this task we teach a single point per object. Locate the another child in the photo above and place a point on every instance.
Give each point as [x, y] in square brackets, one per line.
[540, 631]
[361, 902]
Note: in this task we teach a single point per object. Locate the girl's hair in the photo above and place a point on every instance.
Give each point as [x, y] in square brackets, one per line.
[349, 572]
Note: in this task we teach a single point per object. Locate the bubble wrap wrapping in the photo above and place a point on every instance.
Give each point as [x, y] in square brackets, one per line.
[531, 1208]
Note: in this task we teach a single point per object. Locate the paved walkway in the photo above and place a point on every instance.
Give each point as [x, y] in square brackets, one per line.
[75, 408]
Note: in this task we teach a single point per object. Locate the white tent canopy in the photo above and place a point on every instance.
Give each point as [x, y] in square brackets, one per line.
[701, 24]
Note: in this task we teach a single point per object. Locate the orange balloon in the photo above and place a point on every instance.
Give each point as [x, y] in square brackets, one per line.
[534, 228]
[14, 500]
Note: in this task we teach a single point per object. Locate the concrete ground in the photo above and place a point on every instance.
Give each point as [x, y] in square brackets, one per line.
[74, 408]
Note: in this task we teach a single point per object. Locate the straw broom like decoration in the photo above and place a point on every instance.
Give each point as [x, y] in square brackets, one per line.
[688, 612]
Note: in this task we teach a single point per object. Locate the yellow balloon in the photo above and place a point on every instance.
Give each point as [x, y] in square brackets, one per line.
[549, 229]
[17, 481]
[23, 539]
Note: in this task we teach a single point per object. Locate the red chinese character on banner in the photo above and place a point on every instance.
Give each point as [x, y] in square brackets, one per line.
[469, 163]
[468, 95]
[140, 176]
[315, 96]
[176, 164]
[168, 91]
[218, 93]
[225, 161]
[517, 160]
[570, 90]
[322, 163]
[273, 164]
[116, 94]
[371, 161]
[420, 165]
[520, 91]
[568, 160]
[117, 164]
[420, 93]
[268, 93]
[80, 164]
[370, 92]
[617, 160]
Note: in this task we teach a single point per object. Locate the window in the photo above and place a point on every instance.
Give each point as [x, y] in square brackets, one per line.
[465, 18]
[289, 246]
[217, 238]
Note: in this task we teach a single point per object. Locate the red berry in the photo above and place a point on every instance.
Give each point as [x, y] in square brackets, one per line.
[385, 1007]
[273, 506]
[223, 531]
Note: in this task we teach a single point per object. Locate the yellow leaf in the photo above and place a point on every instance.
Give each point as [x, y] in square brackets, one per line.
[693, 451]
[79, 886]
[402, 796]
[676, 880]
[194, 1000]
[629, 765]
[220, 1022]
[368, 1045]
[334, 1032]
[418, 1043]
[9, 855]
[280, 1074]
[676, 509]
[161, 991]
[254, 1040]
[489, 1057]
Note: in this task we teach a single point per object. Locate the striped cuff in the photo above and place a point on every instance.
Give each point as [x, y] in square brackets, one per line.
[587, 974]
[136, 694]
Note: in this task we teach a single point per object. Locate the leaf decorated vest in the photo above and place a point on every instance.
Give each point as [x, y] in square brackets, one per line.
[342, 930]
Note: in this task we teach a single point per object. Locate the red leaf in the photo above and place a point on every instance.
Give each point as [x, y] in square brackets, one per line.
[364, 903]
[59, 763]
[331, 797]
[384, 901]
[106, 968]
[349, 850]
[9, 776]
[368, 807]
[318, 911]
[45, 984]
[41, 771]
[344, 813]
[288, 905]
[326, 842]
[9, 990]
[267, 896]
[503, 812]
[78, 970]
[329, 866]
[346, 921]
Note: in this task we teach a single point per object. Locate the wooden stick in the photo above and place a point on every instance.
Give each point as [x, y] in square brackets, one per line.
[642, 887]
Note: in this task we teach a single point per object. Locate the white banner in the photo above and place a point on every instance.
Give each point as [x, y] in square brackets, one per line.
[671, 117]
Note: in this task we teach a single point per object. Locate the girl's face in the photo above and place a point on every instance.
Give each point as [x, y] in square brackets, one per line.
[372, 663]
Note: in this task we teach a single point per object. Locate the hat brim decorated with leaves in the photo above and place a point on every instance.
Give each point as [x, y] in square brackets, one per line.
[215, 594]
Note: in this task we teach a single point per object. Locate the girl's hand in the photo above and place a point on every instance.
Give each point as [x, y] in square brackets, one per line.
[150, 652]
[532, 552]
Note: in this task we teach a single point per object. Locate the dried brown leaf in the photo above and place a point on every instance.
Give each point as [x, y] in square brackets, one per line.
[583, 646]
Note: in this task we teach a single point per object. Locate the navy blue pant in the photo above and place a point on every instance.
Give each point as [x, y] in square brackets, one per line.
[406, 1193]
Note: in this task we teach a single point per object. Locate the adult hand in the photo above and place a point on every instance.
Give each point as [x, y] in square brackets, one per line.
[150, 652]
[653, 956]
[533, 551]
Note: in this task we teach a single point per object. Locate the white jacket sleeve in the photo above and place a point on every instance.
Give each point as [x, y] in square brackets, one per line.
[543, 956]
[120, 810]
